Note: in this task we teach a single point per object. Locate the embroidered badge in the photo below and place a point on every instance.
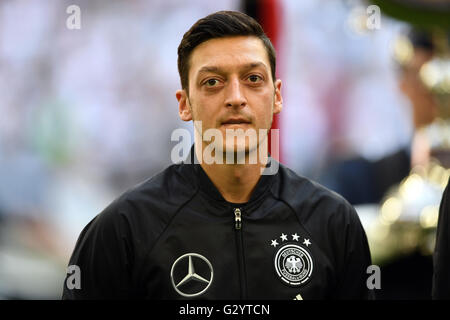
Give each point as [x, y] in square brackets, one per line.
[293, 262]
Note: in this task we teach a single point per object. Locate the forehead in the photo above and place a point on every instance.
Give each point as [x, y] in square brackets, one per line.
[229, 52]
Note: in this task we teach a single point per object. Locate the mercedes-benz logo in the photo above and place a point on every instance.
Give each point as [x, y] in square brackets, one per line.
[191, 275]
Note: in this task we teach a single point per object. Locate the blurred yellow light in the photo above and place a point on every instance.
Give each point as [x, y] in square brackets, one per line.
[435, 74]
[430, 75]
[391, 210]
[445, 178]
[379, 232]
[429, 216]
[403, 50]
[437, 173]
[411, 187]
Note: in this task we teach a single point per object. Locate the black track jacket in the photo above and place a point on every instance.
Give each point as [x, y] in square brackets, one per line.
[175, 237]
[441, 257]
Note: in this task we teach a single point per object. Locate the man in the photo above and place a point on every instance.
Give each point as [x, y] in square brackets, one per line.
[405, 266]
[221, 230]
[441, 257]
[349, 176]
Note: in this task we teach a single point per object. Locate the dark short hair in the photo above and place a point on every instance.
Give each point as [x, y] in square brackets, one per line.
[219, 25]
[421, 39]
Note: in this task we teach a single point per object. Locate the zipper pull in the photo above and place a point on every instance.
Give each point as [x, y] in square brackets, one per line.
[237, 218]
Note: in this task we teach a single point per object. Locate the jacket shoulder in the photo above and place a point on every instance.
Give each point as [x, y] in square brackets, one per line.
[302, 193]
[143, 212]
[156, 200]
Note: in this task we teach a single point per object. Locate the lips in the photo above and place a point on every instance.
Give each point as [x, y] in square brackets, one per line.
[236, 121]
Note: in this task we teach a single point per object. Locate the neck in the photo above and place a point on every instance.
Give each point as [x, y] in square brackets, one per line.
[235, 182]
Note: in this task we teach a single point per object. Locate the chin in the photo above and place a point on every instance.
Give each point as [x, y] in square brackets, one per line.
[237, 148]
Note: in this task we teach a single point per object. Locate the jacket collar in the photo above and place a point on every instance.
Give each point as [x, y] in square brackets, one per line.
[207, 187]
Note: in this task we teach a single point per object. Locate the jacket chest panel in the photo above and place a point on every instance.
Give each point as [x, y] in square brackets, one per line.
[205, 257]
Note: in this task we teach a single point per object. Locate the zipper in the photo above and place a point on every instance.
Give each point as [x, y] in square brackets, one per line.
[240, 251]
[237, 219]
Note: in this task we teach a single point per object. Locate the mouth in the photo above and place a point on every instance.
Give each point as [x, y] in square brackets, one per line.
[235, 121]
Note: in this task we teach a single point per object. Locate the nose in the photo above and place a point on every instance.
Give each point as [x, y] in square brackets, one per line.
[235, 97]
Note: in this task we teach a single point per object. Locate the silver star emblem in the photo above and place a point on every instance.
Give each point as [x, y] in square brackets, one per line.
[191, 275]
[306, 242]
[274, 243]
[295, 237]
[283, 237]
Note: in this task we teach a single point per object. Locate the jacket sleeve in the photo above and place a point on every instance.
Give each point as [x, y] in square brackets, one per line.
[441, 257]
[353, 257]
[100, 265]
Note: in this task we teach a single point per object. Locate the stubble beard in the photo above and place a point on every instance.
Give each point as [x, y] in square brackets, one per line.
[239, 148]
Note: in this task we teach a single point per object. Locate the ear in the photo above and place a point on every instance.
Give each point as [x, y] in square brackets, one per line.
[278, 103]
[184, 107]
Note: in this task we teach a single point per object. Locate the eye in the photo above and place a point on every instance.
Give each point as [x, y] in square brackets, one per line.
[211, 82]
[254, 78]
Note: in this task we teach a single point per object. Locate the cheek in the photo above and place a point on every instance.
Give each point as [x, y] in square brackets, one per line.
[267, 109]
[204, 110]
[264, 117]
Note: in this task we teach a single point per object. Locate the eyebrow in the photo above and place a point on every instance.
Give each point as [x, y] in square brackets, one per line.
[246, 66]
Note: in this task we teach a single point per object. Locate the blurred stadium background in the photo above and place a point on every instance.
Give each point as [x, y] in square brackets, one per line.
[87, 113]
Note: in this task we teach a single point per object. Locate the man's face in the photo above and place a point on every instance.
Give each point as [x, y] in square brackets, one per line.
[422, 101]
[231, 87]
